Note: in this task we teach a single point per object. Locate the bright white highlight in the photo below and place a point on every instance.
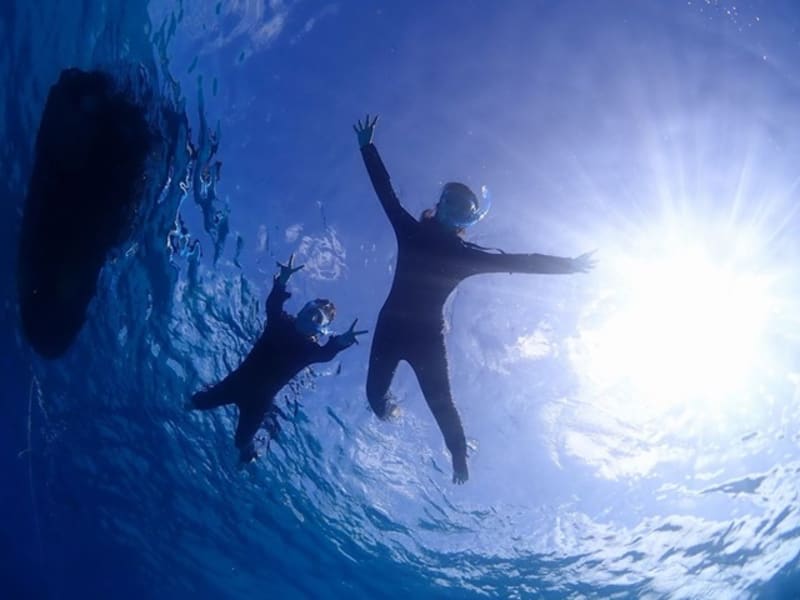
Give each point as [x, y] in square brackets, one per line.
[684, 326]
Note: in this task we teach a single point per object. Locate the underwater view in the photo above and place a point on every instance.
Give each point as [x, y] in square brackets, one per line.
[342, 300]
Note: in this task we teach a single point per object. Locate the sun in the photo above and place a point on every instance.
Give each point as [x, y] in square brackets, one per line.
[684, 323]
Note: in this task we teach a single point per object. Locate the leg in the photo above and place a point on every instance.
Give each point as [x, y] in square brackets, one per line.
[430, 364]
[384, 357]
[251, 416]
[213, 397]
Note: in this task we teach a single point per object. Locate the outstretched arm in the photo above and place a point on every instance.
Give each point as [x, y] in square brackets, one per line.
[279, 295]
[398, 216]
[480, 261]
[337, 343]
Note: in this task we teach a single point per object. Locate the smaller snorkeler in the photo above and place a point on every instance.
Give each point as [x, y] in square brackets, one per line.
[432, 259]
[287, 346]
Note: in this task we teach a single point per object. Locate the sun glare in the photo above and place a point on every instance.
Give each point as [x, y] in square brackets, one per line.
[679, 327]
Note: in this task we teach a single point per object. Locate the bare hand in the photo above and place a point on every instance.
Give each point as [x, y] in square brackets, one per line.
[365, 131]
[348, 338]
[287, 270]
[584, 263]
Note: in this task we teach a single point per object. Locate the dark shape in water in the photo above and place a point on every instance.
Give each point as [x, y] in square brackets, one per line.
[84, 192]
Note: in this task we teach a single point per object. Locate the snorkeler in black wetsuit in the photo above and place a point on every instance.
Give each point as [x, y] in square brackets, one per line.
[432, 259]
[288, 345]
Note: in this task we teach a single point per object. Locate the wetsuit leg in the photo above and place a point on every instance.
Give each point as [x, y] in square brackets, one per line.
[251, 416]
[212, 397]
[429, 361]
[384, 356]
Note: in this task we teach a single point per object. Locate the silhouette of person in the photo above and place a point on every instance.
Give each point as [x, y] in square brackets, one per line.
[432, 259]
[287, 345]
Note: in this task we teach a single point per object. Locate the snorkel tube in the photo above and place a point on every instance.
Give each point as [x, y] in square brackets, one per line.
[485, 205]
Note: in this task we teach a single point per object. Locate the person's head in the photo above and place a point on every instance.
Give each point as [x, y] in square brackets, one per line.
[459, 208]
[314, 318]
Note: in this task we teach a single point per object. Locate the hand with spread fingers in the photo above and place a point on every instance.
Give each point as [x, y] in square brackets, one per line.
[348, 338]
[287, 271]
[365, 131]
[585, 262]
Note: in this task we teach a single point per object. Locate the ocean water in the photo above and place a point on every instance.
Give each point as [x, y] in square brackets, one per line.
[633, 431]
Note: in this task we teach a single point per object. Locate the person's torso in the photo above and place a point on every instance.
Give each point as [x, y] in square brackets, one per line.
[430, 264]
[278, 355]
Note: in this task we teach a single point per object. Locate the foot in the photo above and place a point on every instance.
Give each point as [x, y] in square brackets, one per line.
[247, 455]
[390, 411]
[460, 471]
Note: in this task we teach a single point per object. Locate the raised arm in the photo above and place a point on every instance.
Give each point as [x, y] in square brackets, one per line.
[276, 299]
[478, 261]
[279, 295]
[398, 216]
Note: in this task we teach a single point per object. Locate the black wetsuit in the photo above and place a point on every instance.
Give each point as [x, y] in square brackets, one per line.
[280, 353]
[431, 262]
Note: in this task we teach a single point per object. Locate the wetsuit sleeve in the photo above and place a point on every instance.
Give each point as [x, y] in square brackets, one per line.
[275, 300]
[479, 261]
[398, 216]
[327, 352]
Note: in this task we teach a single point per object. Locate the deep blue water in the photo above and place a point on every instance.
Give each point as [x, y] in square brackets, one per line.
[631, 436]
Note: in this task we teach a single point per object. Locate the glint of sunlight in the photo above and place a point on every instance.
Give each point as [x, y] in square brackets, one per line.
[684, 324]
